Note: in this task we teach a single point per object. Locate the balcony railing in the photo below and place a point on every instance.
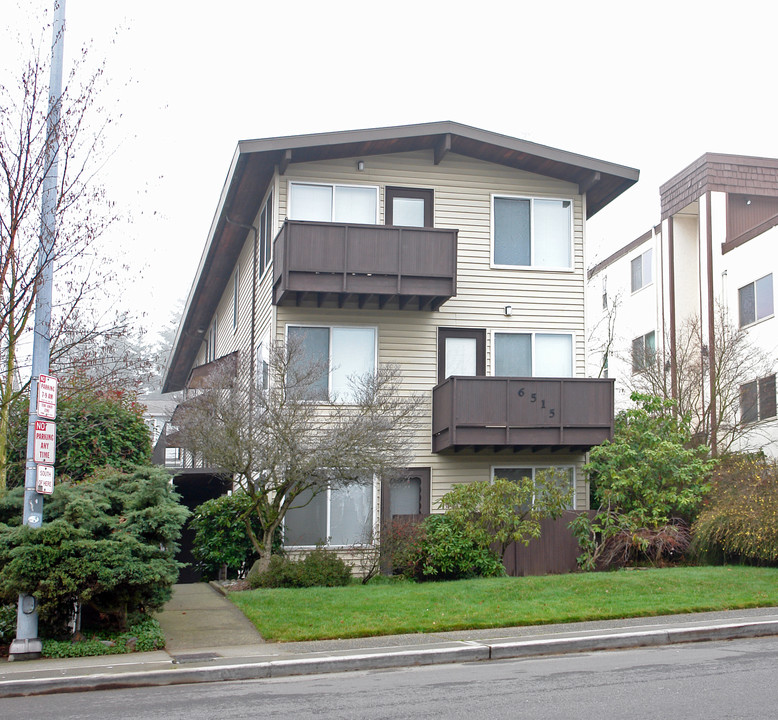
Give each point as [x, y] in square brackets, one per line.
[535, 413]
[338, 264]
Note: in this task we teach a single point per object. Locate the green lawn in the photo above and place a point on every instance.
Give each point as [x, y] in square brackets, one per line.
[405, 607]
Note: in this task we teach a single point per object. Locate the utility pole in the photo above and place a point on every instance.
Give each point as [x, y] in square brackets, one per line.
[27, 645]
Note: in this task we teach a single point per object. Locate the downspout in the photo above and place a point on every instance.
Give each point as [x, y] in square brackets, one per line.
[671, 278]
[711, 330]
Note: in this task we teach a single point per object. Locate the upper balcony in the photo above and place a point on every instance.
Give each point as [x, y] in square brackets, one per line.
[348, 265]
[495, 413]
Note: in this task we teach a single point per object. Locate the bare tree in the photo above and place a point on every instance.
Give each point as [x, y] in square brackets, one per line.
[285, 444]
[102, 352]
[602, 336]
[81, 213]
[737, 361]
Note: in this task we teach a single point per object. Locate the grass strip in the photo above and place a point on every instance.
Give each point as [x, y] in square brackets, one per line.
[404, 607]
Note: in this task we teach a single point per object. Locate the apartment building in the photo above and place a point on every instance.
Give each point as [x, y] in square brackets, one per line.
[455, 253]
[712, 257]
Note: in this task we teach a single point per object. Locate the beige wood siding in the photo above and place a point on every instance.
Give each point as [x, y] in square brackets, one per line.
[409, 339]
[542, 300]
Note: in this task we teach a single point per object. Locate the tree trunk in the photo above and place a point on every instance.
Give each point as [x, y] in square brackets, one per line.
[263, 563]
[5, 412]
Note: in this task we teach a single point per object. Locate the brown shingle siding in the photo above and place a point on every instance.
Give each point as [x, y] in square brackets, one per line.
[723, 173]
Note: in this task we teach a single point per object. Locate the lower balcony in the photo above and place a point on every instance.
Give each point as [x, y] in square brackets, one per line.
[539, 414]
[346, 265]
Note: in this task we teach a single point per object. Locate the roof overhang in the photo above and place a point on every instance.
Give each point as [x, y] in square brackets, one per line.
[255, 161]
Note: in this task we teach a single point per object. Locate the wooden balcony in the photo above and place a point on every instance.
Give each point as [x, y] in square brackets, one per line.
[342, 265]
[496, 413]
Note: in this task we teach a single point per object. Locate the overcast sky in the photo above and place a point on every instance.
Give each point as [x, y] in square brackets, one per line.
[651, 85]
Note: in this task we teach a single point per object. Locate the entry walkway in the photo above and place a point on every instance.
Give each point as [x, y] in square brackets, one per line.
[198, 619]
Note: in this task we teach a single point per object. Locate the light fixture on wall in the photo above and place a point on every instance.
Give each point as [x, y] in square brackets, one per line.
[509, 309]
[748, 201]
[361, 165]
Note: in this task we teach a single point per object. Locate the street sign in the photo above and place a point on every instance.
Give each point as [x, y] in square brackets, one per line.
[44, 482]
[45, 441]
[47, 396]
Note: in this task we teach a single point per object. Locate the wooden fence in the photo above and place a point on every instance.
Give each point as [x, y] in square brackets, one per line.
[555, 551]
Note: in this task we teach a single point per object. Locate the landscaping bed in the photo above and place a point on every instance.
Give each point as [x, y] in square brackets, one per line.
[141, 637]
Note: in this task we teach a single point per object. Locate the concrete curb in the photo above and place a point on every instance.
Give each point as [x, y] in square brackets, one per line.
[625, 640]
[465, 651]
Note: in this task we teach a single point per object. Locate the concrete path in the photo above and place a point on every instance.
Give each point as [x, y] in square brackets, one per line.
[198, 618]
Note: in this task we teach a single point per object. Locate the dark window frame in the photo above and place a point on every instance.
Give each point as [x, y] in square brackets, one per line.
[425, 496]
[758, 400]
[428, 195]
[479, 334]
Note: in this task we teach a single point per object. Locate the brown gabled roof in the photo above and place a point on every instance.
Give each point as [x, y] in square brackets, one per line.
[254, 163]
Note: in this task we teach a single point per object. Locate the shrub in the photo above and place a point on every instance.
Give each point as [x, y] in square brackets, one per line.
[399, 543]
[504, 511]
[220, 534]
[7, 623]
[614, 540]
[319, 568]
[649, 482]
[108, 543]
[739, 521]
[649, 470]
[444, 552]
[94, 429]
[141, 637]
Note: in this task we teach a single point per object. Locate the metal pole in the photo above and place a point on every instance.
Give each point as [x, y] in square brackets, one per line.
[27, 645]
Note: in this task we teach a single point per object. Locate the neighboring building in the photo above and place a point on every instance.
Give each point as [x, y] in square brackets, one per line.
[159, 409]
[456, 253]
[715, 250]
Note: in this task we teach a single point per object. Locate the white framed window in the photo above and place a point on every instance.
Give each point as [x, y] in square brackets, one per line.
[532, 354]
[210, 340]
[235, 297]
[262, 370]
[643, 352]
[642, 270]
[343, 353]
[333, 203]
[341, 516]
[564, 475]
[755, 300]
[265, 240]
[532, 232]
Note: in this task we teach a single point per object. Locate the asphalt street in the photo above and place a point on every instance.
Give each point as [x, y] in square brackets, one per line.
[711, 680]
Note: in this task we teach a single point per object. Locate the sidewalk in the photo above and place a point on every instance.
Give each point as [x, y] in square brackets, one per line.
[209, 640]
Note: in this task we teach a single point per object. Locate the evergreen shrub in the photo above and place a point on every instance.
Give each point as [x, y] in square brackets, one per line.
[443, 551]
[108, 543]
[221, 537]
[319, 568]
